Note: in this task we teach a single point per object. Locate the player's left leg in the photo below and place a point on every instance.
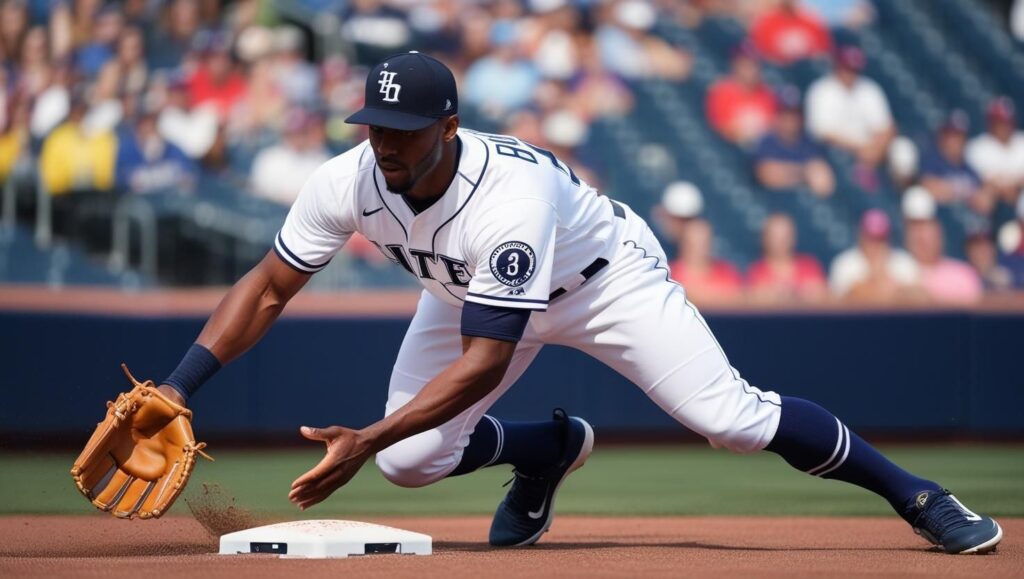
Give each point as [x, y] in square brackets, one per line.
[652, 335]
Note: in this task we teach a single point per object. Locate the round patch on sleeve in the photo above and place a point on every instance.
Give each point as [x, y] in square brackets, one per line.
[512, 263]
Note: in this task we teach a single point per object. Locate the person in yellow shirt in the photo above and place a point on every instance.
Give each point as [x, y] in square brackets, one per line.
[75, 158]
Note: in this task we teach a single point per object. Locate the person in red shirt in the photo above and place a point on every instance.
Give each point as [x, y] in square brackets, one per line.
[740, 106]
[707, 280]
[788, 33]
[216, 81]
[782, 275]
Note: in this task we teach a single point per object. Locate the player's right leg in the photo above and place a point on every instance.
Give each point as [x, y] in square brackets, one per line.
[432, 343]
[637, 322]
[543, 453]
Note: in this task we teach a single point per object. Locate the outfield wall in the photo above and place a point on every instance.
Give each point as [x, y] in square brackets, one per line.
[945, 373]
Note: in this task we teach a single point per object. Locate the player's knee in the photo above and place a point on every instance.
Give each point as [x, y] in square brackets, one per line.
[736, 441]
[737, 433]
[410, 467]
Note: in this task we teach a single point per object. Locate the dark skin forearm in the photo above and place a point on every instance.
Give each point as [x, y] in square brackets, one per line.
[247, 311]
[461, 385]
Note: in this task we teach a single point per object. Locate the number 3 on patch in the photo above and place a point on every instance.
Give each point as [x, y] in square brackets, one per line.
[512, 263]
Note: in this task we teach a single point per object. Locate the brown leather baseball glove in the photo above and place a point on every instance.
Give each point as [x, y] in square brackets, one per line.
[140, 457]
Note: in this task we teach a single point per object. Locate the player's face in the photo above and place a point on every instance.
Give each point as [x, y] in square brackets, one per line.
[404, 157]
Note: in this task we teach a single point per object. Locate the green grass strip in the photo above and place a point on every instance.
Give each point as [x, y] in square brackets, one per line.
[684, 480]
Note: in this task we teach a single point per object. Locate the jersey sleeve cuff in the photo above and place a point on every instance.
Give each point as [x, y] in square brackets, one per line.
[508, 302]
[289, 257]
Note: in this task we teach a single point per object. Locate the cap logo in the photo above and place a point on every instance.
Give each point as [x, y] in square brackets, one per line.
[388, 88]
[447, 104]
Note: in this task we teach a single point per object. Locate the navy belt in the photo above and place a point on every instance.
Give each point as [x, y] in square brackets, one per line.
[587, 273]
[595, 266]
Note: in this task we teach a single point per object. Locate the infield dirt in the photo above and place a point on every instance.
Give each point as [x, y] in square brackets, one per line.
[100, 546]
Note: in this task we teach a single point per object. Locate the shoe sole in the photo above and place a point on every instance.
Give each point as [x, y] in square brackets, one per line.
[585, 450]
[987, 546]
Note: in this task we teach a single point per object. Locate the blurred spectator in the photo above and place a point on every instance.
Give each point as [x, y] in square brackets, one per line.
[75, 158]
[786, 158]
[741, 107]
[504, 80]
[107, 109]
[262, 107]
[562, 132]
[14, 134]
[13, 22]
[850, 111]
[438, 27]
[216, 80]
[550, 38]
[984, 258]
[61, 25]
[851, 14]
[998, 155]
[628, 49]
[872, 270]
[376, 29]
[279, 171]
[944, 279]
[341, 93]
[596, 92]
[707, 280]
[1011, 245]
[298, 80]
[32, 74]
[1017, 20]
[134, 74]
[146, 163]
[53, 103]
[904, 160]
[83, 18]
[787, 33]
[945, 172]
[92, 54]
[173, 38]
[782, 275]
[681, 203]
[191, 129]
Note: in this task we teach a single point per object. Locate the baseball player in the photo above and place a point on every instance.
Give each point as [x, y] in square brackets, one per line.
[515, 251]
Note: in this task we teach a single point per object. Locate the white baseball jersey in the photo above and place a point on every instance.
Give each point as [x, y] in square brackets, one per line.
[514, 226]
[517, 229]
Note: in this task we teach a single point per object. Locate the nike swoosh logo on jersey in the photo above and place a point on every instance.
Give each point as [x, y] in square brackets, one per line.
[369, 213]
[539, 512]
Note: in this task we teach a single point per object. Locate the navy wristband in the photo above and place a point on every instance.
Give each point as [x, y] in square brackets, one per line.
[198, 365]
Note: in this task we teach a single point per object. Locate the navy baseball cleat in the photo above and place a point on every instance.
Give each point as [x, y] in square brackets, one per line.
[529, 506]
[943, 520]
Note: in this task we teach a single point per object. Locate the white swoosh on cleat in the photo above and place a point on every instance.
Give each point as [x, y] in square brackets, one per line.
[539, 512]
[968, 513]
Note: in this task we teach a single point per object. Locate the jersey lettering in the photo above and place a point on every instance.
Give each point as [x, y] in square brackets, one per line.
[421, 258]
[513, 147]
[455, 270]
[397, 255]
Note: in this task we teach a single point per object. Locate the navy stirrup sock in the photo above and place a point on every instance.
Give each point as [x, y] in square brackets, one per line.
[811, 439]
[530, 447]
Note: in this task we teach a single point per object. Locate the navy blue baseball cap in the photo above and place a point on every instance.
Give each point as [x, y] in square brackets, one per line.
[407, 92]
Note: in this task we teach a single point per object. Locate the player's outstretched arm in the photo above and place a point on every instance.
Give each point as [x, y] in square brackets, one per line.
[467, 381]
[246, 313]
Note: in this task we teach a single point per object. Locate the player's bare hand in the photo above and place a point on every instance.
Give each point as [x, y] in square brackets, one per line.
[347, 450]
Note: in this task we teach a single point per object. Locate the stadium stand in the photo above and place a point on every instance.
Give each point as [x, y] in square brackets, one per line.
[261, 63]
